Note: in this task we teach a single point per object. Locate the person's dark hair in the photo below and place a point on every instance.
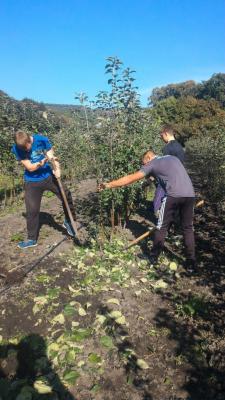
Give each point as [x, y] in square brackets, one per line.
[22, 138]
[146, 152]
[168, 129]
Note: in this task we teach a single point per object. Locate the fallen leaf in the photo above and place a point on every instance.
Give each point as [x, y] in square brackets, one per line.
[160, 284]
[121, 320]
[113, 301]
[82, 312]
[100, 319]
[142, 364]
[80, 363]
[115, 314]
[173, 266]
[42, 387]
[75, 323]
[59, 318]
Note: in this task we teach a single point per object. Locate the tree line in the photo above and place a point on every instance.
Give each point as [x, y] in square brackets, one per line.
[106, 136]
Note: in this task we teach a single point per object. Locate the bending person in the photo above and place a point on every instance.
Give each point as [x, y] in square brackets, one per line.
[33, 153]
[179, 195]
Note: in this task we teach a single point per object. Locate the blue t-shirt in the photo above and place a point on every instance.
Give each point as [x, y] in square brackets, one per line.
[34, 155]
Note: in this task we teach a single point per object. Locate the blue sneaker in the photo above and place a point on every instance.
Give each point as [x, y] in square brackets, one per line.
[28, 243]
[68, 227]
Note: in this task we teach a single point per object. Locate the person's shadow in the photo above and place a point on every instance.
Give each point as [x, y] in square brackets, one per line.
[26, 373]
[47, 219]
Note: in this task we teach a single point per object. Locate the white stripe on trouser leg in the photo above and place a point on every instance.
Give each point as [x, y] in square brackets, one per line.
[161, 213]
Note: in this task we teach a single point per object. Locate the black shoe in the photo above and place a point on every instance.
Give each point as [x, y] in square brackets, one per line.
[191, 265]
[153, 260]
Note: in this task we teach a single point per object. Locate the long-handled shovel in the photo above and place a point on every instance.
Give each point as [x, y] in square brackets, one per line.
[149, 232]
[73, 223]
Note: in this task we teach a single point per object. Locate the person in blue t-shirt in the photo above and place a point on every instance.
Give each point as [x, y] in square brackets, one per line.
[33, 152]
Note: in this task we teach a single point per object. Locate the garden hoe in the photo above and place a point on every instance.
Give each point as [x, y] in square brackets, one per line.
[150, 231]
[73, 223]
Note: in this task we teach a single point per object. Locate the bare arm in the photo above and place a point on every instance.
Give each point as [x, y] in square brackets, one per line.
[124, 181]
[33, 167]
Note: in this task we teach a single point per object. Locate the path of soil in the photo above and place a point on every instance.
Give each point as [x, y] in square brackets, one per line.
[13, 226]
[178, 330]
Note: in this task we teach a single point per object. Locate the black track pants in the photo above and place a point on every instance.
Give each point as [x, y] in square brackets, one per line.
[33, 195]
[185, 206]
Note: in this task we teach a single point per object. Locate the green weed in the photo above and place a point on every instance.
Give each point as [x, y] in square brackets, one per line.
[16, 237]
[195, 305]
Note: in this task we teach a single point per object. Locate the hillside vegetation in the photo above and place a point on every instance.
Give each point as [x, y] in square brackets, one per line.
[96, 133]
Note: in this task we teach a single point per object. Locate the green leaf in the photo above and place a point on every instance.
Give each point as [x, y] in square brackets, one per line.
[43, 278]
[53, 293]
[94, 358]
[71, 377]
[70, 356]
[25, 393]
[16, 237]
[95, 388]
[53, 347]
[69, 310]
[106, 341]
[80, 334]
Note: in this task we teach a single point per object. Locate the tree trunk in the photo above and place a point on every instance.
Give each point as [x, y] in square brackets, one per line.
[5, 198]
[112, 213]
[119, 219]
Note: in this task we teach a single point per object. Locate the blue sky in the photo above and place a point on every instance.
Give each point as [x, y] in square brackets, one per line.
[51, 49]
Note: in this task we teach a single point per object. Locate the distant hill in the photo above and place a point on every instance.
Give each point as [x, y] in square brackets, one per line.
[31, 115]
[63, 108]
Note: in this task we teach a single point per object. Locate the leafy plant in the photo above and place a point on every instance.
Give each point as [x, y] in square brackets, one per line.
[16, 237]
[195, 305]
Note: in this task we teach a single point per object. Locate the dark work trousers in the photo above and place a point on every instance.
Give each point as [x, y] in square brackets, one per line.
[33, 195]
[169, 207]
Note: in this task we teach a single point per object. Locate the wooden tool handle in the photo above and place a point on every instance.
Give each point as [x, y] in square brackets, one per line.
[199, 203]
[73, 223]
[137, 240]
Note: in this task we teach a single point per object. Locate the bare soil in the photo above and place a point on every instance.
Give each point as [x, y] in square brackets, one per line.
[177, 330]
